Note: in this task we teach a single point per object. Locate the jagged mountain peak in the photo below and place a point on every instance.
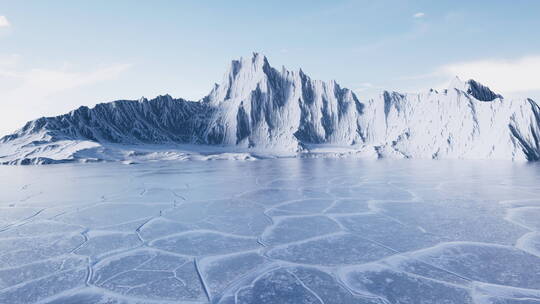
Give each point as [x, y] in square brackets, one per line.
[474, 88]
[266, 106]
[258, 107]
[259, 59]
[481, 92]
[257, 63]
[142, 99]
[458, 84]
[248, 75]
[241, 77]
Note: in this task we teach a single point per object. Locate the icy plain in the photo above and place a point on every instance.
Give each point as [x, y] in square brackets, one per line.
[271, 231]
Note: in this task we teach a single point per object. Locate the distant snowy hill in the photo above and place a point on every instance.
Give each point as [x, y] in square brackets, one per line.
[259, 111]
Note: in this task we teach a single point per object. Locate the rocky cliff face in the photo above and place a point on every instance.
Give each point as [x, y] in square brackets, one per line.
[259, 108]
[159, 120]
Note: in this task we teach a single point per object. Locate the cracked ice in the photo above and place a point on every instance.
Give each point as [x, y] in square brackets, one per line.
[271, 231]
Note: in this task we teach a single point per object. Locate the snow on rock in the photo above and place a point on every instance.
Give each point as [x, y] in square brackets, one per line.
[258, 109]
[261, 106]
[475, 89]
[453, 124]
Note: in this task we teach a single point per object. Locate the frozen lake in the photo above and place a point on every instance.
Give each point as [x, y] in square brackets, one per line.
[271, 231]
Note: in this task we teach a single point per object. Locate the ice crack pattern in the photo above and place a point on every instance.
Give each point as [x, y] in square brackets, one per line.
[271, 231]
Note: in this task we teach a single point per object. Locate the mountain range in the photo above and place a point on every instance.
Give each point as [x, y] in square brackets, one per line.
[259, 111]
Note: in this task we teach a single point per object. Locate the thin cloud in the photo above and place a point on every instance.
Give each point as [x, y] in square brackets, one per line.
[364, 86]
[8, 60]
[47, 81]
[509, 76]
[419, 15]
[4, 22]
[28, 94]
[367, 90]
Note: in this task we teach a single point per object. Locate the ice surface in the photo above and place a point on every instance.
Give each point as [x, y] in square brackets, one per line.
[279, 286]
[271, 231]
[15, 275]
[91, 296]
[346, 249]
[306, 206]
[231, 216]
[100, 243]
[39, 227]
[200, 243]
[150, 274]
[270, 197]
[224, 271]
[372, 191]
[530, 242]
[100, 215]
[42, 288]
[10, 215]
[160, 227]
[457, 220]
[17, 251]
[349, 206]
[394, 235]
[513, 301]
[513, 267]
[527, 217]
[487, 293]
[290, 229]
[298, 285]
[397, 287]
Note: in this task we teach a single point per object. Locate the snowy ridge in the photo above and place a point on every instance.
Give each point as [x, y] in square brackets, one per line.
[453, 124]
[475, 89]
[261, 106]
[258, 109]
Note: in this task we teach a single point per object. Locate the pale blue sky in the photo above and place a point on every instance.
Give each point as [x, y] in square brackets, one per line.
[57, 55]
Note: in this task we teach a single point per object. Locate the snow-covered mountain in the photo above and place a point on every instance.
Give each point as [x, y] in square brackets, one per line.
[259, 110]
